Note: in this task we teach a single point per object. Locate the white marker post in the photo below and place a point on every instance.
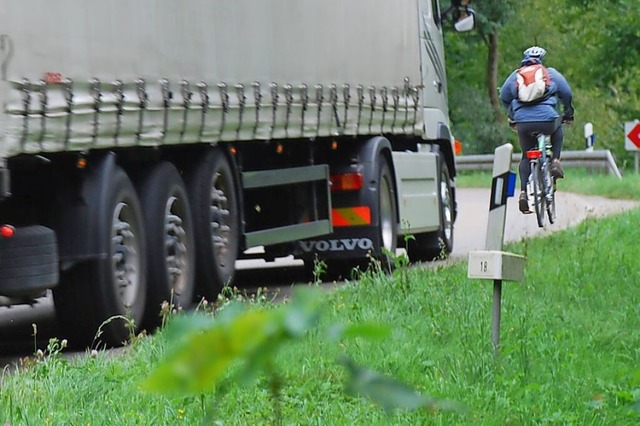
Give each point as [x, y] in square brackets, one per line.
[493, 263]
[589, 137]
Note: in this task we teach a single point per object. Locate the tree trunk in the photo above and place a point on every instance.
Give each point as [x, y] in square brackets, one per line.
[492, 76]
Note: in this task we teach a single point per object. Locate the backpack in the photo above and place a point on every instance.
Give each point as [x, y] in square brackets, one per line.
[532, 83]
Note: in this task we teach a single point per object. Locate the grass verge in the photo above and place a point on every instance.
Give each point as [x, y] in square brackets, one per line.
[570, 351]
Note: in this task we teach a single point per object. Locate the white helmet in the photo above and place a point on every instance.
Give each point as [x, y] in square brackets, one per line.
[534, 52]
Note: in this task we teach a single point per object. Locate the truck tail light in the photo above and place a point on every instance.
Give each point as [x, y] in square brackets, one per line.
[7, 231]
[347, 182]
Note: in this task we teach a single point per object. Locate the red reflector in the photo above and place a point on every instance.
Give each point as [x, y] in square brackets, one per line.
[534, 153]
[7, 231]
[351, 216]
[347, 182]
[53, 78]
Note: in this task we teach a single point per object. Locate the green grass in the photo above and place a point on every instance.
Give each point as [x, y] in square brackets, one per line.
[579, 181]
[570, 351]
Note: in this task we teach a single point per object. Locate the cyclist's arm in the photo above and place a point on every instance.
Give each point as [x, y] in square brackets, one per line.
[564, 93]
[507, 94]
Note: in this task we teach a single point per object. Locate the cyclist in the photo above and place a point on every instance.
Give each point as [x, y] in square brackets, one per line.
[541, 116]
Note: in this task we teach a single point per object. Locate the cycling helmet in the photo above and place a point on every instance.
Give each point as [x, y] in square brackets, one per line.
[534, 52]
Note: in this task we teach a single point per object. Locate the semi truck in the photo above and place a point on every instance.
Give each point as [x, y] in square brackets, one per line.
[147, 146]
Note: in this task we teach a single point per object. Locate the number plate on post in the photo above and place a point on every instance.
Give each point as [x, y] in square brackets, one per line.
[496, 265]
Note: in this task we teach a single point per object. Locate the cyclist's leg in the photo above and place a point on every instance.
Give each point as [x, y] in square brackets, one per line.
[527, 142]
[557, 138]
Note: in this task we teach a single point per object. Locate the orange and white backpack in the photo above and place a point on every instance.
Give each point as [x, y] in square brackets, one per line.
[532, 83]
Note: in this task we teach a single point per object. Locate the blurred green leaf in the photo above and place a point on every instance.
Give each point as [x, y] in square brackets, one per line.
[302, 312]
[389, 393]
[184, 325]
[204, 357]
[205, 349]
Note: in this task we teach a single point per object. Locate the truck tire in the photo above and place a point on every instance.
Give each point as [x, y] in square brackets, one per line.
[438, 244]
[169, 240]
[387, 215]
[28, 261]
[93, 296]
[212, 190]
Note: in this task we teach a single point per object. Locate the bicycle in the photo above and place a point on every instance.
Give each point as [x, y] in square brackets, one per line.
[541, 185]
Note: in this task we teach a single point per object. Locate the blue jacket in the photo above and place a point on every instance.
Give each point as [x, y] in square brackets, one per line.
[546, 110]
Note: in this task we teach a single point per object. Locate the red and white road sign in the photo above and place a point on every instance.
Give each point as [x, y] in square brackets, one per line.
[632, 135]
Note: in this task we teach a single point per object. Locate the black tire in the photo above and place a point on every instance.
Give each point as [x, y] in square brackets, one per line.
[538, 196]
[169, 239]
[213, 193]
[28, 261]
[387, 215]
[551, 199]
[439, 244]
[96, 294]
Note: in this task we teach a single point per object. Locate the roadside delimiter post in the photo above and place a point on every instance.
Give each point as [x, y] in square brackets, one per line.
[492, 263]
[589, 137]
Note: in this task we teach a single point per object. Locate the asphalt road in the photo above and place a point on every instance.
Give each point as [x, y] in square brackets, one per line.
[17, 335]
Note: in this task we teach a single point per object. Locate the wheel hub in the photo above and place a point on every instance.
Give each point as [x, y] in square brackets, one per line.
[175, 246]
[125, 254]
[220, 229]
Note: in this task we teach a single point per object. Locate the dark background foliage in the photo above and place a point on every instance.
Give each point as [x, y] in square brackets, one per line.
[594, 43]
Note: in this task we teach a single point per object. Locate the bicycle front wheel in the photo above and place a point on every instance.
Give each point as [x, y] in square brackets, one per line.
[538, 196]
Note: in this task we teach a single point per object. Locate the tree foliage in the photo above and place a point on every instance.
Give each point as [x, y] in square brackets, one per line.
[594, 43]
[493, 15]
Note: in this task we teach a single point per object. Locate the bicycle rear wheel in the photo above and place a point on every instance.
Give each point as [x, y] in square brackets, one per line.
[538, 196]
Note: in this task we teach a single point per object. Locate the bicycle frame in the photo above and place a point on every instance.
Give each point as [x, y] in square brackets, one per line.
[541, 184]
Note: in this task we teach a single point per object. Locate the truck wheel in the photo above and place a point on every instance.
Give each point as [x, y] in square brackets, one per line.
[436, 245]
[169, 241]
[216, 218]
[387, 215]
[94, 294]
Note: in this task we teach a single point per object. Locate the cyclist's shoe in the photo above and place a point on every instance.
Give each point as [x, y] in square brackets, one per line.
[523, 203]
[556, 169]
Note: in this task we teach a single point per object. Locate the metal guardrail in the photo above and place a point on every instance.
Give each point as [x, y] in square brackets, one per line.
[600, 160]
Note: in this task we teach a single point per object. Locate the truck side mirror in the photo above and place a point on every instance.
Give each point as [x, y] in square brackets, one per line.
[462, 16]
[465, 22]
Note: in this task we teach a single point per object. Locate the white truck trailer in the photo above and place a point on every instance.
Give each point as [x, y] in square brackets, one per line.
[146, 145]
